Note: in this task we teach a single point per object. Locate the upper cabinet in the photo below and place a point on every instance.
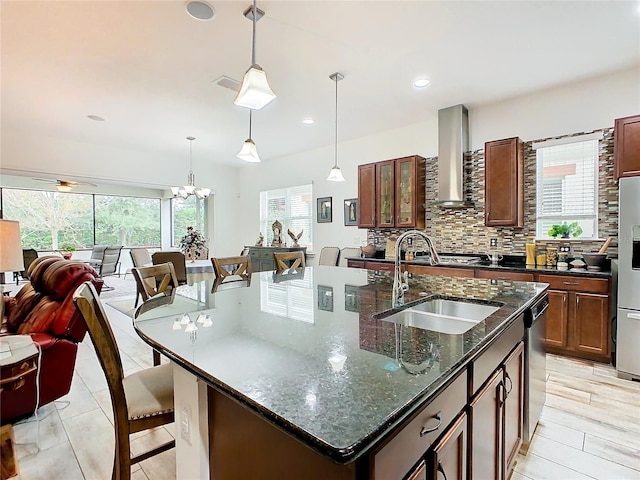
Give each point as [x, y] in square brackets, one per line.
[392, 193]
[627, 147]
[503, 183]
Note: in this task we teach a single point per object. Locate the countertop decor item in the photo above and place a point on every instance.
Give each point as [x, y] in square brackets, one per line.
[604, 247]
[368, 251]
[594, 261]
[565, 230]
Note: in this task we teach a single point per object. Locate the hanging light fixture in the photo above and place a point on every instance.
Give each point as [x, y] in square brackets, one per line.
[255, 92]
[336, 174]
[249, 153]
[190, 188]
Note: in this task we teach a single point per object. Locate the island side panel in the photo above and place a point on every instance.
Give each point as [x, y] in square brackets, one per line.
[245, 445]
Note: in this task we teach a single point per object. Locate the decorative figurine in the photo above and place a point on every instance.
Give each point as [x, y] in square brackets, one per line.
[260, 240]
[295, 237]
[277, 234]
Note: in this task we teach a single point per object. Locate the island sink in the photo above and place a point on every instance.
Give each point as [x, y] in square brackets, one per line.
[443, 315]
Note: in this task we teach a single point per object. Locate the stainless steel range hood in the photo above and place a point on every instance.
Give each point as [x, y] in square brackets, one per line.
[453, 142]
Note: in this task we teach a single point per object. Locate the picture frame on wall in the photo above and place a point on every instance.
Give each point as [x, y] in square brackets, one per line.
[325, 298]
[351, 212]
[352, 298]
[324, 207]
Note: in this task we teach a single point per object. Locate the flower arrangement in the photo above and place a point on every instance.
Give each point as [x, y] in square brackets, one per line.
[193, 239]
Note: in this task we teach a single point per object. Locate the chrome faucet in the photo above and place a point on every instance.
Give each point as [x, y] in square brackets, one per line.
[400, 282]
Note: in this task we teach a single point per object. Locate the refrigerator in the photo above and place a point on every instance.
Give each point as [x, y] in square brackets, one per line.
[628, 321]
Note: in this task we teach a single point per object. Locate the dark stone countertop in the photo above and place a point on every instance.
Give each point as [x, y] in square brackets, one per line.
[312, 355]
[510, 263]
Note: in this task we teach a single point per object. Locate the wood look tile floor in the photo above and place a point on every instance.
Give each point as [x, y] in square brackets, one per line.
[590, 426]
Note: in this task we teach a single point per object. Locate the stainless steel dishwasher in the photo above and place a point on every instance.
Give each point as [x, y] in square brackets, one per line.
[535, 367]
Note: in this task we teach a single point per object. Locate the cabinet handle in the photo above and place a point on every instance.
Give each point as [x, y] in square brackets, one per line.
[571, 283]
[507, 377]
[441, 470]
[564, 299]
[426, 430]
[501, 394]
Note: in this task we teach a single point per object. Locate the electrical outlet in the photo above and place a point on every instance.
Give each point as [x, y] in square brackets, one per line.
[493, 242]
[376, 240]
[409, 241]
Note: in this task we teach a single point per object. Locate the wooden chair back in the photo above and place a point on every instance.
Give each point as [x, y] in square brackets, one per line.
[232, 268]
[289, 260]
[178, 260]
[154, 280]
[154, 379]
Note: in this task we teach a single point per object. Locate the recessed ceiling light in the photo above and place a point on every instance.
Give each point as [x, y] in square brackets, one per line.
[96, 118]
[200, 10]
[308, 121]
[421, 82]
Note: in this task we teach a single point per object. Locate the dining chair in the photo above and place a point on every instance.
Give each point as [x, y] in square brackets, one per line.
[28, 256]
[154, 280]
[139, 258]
[232, 268]
[348, 252]
[179, 263]
[141, 400]
[329, 256]
[296, 260]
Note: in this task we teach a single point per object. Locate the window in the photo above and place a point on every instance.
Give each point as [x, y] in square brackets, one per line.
[49, 220]
[567, 184]
[293, 208]
[186, 212]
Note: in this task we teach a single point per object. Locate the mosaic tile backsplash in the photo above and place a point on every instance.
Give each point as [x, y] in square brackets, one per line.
[463, 230]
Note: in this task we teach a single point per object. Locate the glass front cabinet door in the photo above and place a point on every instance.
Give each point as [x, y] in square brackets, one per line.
[385, 185]
[405, 198]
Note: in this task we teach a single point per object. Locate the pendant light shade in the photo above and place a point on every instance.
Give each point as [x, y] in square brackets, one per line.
[255, 92]
[249, 153]
[190, 188]
[336, 174]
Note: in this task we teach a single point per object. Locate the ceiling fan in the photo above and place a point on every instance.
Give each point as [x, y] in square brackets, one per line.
[65, 185]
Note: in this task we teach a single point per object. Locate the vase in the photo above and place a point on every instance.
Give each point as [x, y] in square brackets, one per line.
[190, 254]
[67, 255]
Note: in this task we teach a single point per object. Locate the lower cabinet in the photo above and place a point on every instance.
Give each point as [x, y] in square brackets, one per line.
[448, 457]
[579, 317]
[496, 420]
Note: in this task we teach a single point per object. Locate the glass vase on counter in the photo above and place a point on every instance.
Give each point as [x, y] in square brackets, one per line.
[531, 251]
[552, 257]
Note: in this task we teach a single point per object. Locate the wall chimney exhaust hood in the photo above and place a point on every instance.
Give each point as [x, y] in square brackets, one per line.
[453, 142]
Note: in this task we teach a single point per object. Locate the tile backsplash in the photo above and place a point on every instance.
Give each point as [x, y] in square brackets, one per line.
[463, 230]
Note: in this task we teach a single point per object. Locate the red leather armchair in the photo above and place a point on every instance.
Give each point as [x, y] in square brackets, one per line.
[44, 309]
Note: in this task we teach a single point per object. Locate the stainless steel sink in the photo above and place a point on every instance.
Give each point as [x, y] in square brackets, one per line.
[443, 315]
[469, 311]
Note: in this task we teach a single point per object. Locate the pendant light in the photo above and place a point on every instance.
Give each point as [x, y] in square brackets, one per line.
[190, 188]
[249, 153]
[255, 92]
[336, 174]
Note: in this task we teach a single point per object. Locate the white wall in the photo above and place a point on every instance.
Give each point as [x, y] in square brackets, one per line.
[582, 106]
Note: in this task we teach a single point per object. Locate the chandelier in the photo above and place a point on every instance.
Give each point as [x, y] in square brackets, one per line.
[190, 188]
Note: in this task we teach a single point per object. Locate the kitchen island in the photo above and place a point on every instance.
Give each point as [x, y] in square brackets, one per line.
[305, 378]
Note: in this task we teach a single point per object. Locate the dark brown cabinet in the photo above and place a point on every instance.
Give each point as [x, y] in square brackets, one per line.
[448, 457]
[392, 193]
[626, 150]
[579, 317]
[367, 195]
[504, 179]
[496, 420]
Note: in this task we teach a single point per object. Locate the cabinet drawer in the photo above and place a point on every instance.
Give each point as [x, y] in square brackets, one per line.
[484, 365]
[355, 263]
[513, 276]
[411, 442]
[431, 270]
[386, 266]
[565, 282]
